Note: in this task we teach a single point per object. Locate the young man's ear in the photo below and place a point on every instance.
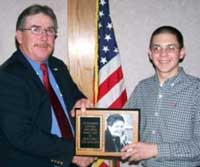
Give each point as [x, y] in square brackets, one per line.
[149, 54]
[182, 54]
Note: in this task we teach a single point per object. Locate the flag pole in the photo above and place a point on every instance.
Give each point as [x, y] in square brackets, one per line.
[106, 57]
[113, 163]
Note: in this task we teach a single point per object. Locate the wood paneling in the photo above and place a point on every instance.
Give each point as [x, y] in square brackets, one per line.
[81, 43]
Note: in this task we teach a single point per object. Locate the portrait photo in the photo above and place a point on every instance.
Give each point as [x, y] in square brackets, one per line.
[118, 131]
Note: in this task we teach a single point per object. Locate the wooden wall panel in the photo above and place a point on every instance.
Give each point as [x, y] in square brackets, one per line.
[81, 43]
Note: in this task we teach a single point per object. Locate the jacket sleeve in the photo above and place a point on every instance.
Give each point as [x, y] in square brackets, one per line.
[19, 114]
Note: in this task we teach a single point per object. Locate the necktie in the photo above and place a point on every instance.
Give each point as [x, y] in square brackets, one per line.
[62, 120]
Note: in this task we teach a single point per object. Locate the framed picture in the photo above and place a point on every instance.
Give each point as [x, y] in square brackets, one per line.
[103, 132]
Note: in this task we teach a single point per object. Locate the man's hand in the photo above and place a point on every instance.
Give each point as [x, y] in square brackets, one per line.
[139, 151]
[83, 104]
[83, 161]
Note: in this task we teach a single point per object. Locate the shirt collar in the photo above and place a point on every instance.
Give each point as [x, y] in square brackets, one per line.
[34, 64]
[173, 80]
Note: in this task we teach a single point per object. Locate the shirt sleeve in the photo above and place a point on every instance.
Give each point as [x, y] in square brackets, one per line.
[132, 101]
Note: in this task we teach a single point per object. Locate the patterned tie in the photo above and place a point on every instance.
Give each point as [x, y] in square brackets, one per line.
[57, 108]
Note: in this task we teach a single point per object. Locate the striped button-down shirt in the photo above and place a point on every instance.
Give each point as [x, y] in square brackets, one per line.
[170, 118]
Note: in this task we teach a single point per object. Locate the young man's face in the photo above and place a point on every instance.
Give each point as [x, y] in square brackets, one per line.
[37, 47]
[117, 128]
[165, 54]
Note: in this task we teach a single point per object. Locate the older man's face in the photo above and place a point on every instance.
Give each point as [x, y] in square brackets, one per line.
[37, 47]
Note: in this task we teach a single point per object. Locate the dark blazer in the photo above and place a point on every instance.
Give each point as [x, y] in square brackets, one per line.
[112, 144]
[25, 116]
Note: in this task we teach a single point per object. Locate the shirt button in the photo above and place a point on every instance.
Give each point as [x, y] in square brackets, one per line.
[156, 114]
[172, 85]
[61, 95]
[160, 96]
[153, 132]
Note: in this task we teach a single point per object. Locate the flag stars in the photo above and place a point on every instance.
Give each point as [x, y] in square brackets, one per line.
[116, 50]
[100, 25]
[105, 49]
[103, 60]
[107, 37]
[102, 2]
[101, 14]
[109, 26]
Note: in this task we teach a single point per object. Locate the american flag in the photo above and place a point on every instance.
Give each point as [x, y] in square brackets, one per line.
[111, 92]
[111, 89]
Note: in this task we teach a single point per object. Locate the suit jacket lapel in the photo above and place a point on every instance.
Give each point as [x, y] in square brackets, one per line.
[29, 71]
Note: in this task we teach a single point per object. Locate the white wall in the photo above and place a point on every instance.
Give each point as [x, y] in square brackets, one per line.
[134, 21]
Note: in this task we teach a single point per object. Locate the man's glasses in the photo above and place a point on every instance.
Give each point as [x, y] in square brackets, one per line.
[170, 49]
[37, 30]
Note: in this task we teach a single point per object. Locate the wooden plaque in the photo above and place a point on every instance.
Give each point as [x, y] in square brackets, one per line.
[103, 132]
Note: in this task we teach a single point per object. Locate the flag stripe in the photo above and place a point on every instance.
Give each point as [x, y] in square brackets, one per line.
[111, 81]
[107, 69]
[120, 102]
[112, 95]
[103, 164]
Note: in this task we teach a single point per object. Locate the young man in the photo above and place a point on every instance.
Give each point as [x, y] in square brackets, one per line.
[170, 107]
[114, 133]
[31, 80]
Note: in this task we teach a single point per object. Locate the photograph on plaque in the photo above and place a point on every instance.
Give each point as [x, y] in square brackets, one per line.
[104, 132]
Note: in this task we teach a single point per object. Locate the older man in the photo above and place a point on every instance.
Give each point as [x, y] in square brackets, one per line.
[37, 94]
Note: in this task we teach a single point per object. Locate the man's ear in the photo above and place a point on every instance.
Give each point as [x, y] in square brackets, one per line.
[182, 54]
[150, 55]
[18, 36]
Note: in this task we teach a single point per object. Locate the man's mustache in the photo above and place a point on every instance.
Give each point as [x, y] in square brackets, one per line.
[42, 45]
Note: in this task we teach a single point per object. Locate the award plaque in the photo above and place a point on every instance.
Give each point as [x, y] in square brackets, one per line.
[104, 132]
